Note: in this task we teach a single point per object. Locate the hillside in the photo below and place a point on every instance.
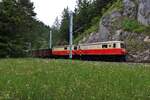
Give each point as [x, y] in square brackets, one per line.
[125, 20]
[41, 79]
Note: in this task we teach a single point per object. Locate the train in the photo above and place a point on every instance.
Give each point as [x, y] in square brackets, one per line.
[105, 51]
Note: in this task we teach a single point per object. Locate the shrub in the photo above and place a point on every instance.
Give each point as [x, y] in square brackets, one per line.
[134, 26]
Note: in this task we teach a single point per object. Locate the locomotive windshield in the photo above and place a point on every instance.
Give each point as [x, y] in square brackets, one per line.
[122, 45]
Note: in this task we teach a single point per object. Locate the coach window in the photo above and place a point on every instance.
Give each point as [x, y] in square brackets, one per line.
[104, 46]
[79, 47]
[65, 48]
[114, 45]
[75, 47]
[109, 46]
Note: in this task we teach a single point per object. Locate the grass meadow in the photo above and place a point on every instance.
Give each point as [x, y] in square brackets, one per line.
[43, 79]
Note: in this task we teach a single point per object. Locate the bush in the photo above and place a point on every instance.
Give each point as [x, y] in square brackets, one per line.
[129, 25]
[134, 26]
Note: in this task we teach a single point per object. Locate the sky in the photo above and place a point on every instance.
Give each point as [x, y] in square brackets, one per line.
[48, 10]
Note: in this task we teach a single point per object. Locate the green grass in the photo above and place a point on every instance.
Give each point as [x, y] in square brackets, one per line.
[42, 79]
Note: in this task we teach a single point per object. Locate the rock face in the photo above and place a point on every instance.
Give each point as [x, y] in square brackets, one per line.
[94, 37]
[139, 11]
[140, 56]
[106, 26]
[130, 8]
[138, 44]
[144, 12]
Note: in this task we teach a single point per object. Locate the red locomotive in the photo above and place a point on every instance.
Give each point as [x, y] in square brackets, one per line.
[111, 50]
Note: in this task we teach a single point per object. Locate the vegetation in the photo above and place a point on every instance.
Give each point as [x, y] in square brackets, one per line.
[86, 15]
[86, 33]
[21, 32]
[134, 26]
[19, 29]
[38, 79]
[133, 47]
[116, 6]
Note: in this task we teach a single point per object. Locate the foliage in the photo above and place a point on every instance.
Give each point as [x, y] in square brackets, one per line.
[56, 38]
[86, 14]
[87, 11]
[18, 27]
[134, 26]
[116, 6]
[64, 28]
[38, 79]
[133, 47]
[39, 35]
[94, 28]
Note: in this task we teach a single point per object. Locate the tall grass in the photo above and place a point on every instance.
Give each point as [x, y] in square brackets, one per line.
[38, 79]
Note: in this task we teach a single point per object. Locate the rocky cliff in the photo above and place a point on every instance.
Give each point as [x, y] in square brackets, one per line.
[129, 21]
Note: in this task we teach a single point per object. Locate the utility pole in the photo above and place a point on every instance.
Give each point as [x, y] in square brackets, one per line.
[50, 40]
[70, 33]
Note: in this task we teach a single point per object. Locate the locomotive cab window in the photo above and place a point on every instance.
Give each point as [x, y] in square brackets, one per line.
[122, 45]
[104, 46]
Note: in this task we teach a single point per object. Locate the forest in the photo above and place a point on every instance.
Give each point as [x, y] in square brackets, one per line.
[86, 14]
[19, 29]
[21, 32]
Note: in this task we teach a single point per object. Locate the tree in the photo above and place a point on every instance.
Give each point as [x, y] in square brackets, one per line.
[56, 32]
[64, 28]
[99, 5]
[83, 15]
[18, 27]
[86, 14]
